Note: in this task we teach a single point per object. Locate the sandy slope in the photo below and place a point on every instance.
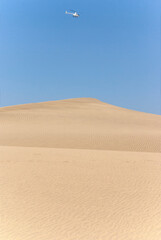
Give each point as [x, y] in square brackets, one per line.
[81, 124]
[60, 180]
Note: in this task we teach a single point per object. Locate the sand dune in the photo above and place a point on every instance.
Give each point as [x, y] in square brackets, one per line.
[80, 124]
[79, 169]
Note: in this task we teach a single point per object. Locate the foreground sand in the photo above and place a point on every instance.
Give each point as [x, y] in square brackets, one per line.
[55, 185]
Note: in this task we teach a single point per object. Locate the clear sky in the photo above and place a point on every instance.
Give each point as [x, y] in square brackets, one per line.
[112, 52]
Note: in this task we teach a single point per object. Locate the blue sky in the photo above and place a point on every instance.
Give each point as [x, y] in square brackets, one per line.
[112, 52]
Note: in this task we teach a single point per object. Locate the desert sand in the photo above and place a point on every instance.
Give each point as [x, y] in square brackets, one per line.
[79, 169]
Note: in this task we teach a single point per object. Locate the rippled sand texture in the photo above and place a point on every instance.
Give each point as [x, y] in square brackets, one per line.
[79, 169]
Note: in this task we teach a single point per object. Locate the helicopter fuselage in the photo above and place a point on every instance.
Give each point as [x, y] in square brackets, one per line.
[75, 14]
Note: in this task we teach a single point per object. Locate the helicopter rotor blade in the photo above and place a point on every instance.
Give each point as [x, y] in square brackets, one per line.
[72, 10]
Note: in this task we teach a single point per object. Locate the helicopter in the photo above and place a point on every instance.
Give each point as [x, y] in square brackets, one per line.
[73, 13]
